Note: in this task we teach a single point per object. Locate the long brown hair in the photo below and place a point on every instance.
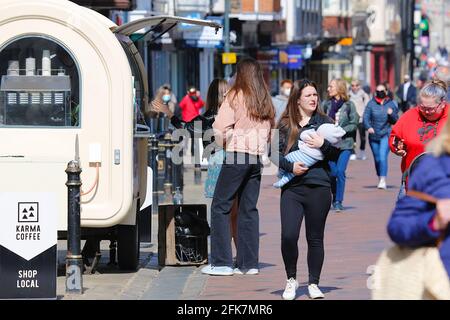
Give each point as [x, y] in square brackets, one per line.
[250, 81]
[291, 117]
[215, 95]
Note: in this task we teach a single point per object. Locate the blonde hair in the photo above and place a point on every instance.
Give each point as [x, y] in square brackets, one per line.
[341, 86]
[436, 89]
[441, 144]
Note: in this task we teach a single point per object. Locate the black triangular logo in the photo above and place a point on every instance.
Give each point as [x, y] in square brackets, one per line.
[31, 209]
[31, 215]
[24, 217]
[24, 211]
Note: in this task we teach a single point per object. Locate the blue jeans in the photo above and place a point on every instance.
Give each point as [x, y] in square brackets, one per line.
[338, 173]
[380, 150]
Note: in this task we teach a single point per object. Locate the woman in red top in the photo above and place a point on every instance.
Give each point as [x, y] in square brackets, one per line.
[191, 104]
[421, 124]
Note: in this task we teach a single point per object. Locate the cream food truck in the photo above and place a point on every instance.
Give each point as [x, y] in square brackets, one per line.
[73, 82]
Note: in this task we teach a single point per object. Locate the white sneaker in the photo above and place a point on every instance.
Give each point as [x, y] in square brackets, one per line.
[291, 289]
[382, 183]
[362, 155]
[314, 292]
[353, 157]
[252, 271]
[217, 271]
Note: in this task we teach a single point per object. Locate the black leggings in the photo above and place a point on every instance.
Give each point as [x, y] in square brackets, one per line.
[362, 136]
[312, 202]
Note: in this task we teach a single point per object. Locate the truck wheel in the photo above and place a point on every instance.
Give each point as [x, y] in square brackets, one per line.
[128, 247]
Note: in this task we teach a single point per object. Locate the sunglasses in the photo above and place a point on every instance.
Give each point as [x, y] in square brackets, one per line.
[428, 109]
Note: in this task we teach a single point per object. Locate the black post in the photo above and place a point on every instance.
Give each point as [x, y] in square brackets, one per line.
[154, 165]
[168, 186]
[197, 161]
[74, 259]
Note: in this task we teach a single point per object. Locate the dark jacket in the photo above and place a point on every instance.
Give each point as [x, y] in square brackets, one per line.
[409, 224]
[318, 174]
[348, 120]
[411, 95]
[197, 126]
[376, 117]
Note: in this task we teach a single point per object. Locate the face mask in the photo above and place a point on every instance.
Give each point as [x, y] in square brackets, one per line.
[166, 98]
[193, 97]
[287, 92]
[380, 94]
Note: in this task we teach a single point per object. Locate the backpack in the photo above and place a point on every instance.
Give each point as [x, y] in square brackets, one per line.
[408, 172]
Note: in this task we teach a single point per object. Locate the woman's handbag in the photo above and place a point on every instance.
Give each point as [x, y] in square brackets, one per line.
[403, 273]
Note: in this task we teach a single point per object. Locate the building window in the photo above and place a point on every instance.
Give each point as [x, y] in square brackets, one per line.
[39, 84]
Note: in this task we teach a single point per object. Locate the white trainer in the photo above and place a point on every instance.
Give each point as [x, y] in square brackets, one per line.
[252, 271]
[382, 183]
[314, 292]
[217, 271]
[362, 155]
[353, 157]
[291, 289]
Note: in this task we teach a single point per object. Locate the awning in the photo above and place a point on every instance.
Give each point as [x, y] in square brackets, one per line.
[166, 21]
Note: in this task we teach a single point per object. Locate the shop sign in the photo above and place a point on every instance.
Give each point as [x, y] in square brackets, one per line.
[28, 240]
[292, 57]
[229, 58]
[205, 37]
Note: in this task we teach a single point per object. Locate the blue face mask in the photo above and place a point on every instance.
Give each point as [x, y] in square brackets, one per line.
[166, 98]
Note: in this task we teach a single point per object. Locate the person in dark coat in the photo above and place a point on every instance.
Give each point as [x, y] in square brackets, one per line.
[380, 114]
[416, 223]
[406, 94]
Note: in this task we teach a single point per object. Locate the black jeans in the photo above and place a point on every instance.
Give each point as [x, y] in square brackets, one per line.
[362, 136]
[241, 175]
[313, 203]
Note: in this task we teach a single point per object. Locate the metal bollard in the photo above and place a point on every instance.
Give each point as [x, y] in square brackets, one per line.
[168, 186]
[74, 259]
[153, 161]
[197, 163]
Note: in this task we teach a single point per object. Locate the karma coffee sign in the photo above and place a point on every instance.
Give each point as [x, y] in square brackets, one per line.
[28, 238]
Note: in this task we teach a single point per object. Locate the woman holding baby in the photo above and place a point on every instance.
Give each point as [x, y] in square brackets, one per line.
[308, 194]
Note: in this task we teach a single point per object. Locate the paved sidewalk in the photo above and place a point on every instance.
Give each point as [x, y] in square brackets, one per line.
[353, 240]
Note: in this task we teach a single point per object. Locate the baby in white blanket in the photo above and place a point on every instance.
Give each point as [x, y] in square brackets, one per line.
[307, 155]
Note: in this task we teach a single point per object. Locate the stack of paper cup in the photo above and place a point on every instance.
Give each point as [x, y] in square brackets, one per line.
[30, 66]
[13, 68]
[46, 63]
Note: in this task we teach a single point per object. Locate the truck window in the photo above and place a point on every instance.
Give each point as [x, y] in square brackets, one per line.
[39, 84]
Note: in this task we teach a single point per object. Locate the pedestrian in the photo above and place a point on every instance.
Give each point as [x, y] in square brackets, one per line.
[242, 127]
[389, 92]
[280, 100]
[419, 125]
[416, 223]
[339, 108]
[308, 194]
[203, 124]
[406, 94]
[190, 106]
[380, 114]
[360, 98]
